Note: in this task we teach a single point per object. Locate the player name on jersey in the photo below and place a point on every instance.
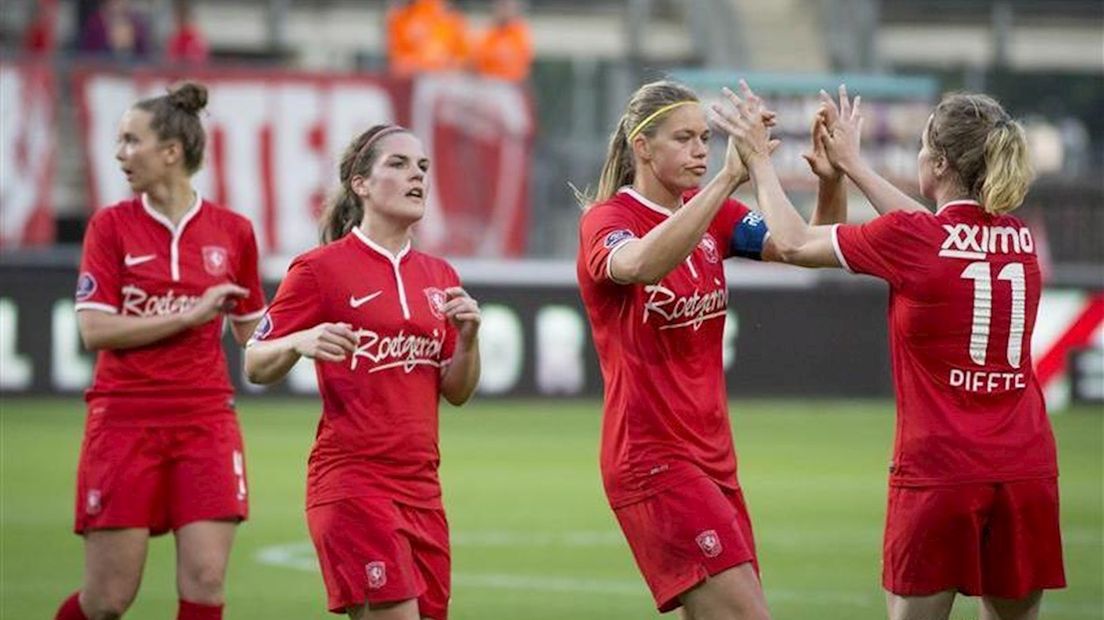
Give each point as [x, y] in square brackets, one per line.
[685, 310]
[976, 242]
[138, 302]
[401, 349]
[987, 382]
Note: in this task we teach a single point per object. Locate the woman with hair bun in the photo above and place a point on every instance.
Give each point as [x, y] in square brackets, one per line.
[391, 332]
[162, 449]
[973, 489]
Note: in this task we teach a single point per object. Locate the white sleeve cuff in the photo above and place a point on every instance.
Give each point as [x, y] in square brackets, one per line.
[93, 305]
[609, 260]
[836, 247]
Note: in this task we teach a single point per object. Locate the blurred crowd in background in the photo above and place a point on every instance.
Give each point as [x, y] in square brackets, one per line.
[575, 61]
[422, 36]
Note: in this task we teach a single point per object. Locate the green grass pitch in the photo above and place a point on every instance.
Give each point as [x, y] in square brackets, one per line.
[532, 535]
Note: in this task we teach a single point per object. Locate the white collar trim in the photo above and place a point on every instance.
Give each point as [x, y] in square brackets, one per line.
[635, 195]
[175, 231]
[165, 221]
[394, 258]
[956, 203]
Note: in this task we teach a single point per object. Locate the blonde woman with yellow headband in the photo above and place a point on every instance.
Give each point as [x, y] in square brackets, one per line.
[650, 269]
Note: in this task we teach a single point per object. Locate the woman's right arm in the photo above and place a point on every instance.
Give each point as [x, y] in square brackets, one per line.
[648, 259]
[842, 143]
[267, 361]
[105, 330]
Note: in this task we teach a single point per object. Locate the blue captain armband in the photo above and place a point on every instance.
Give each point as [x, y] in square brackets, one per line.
[748, 237]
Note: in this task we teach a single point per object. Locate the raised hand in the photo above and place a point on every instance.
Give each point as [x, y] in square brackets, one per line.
[843, 129]
[463, 312]
[747, 124]
[327, 342]
[817, 156]
[215, 300]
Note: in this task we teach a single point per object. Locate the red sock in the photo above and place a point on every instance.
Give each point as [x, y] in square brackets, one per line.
[71, 609]
[197, 611]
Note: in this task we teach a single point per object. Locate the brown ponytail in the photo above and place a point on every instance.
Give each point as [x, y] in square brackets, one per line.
[619, 167]
[176, 117]
[344, 210]
[986, 148]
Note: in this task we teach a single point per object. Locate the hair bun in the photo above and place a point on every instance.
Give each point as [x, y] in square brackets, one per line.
[188, 96]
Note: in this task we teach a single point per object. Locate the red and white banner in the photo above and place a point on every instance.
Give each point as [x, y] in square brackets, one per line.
[28, 149]
[275, 139]
[1068, 321]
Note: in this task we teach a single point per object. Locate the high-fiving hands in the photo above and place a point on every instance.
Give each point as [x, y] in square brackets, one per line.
[835, 132]
[734, 163]
[745, 120]
[817, 157]
[841, 130]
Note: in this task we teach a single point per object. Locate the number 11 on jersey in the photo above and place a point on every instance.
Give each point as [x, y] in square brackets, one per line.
[981, 273]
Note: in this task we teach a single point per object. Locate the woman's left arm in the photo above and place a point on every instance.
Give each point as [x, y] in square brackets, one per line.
[460, 377]
[791, 240]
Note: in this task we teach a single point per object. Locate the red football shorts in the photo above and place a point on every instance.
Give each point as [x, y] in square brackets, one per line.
[685, 534]
[374, 550]
[1001, 540]
[160, 477]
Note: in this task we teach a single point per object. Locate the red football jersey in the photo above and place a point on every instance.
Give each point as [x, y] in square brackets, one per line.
[136, 263]
[666, 411]
[378, 432]
[964, 291]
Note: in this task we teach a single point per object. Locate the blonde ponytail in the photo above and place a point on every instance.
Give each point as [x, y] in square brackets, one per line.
[986, 149]
[1007, 168]
[618, 169]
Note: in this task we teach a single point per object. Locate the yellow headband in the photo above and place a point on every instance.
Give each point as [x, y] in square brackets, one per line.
[653, 115]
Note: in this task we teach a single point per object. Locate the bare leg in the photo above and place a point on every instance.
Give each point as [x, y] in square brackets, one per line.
[1026, 608]
[202, 553]
[733, 594]
[932, 607]
[403, 610]
[113, 562]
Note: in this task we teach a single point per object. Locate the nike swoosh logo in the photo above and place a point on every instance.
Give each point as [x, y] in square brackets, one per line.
[357, 302]
[132, 261]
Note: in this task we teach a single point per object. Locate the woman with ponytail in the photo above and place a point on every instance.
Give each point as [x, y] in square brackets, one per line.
[650, 269]
[390, 331]
[973, 498]
[162, 449]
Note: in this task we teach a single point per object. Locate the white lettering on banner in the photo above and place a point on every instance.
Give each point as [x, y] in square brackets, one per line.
[501, 348]
[979, 381]
[684, 311]
[236, 175]
[70, 368]
[106, 98]
[976, 242]
[297, 144]
[16, 371]
[401, 349]
[27, 150]
[561, 338]
[137, 302]
[275, 140]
